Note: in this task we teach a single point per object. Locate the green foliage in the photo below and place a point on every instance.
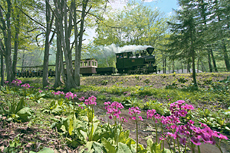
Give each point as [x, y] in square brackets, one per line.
[155, 147]
[37, 96]
[182, 79]
[44, 150]
[104, 82]
[15, 146]
[147, 81]
[16, 110]
[129, 102]
[215, 119]
[62, 106]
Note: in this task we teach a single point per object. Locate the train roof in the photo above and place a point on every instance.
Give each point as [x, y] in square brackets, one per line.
[133, 50]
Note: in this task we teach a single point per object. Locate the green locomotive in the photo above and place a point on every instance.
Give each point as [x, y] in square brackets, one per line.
[140, 62]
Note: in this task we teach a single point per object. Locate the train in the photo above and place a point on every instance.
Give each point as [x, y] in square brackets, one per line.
[128, 62]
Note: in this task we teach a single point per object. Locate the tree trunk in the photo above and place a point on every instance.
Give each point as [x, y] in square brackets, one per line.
[70, 83]
[164, 64]
[194, 69]
[173, 66]
[198, 61]
[23, 58]
[47, 46]
[226, 59]
[209, 61]
[188, 66]
[2, 62]
[213, 60]
[17, 24]
[78, 58]
[58, 56]
[8, 44]
[77, 53]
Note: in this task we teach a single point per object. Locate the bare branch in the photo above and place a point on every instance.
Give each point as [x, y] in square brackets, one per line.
[37, 38]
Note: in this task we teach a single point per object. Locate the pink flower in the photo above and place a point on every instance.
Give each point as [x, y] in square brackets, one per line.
[180, 102]
[82, 98]
[140, 118]
[114, 109]
[16, 82]
[122, 119]
[191, 122]
[40, 91]
[195, 141]
[150, 113]
[171, 135]
[90, 101]
[222, 137]
[183, 113]
[70, 94]
[183, 141]
[26, 85]
[6, 82]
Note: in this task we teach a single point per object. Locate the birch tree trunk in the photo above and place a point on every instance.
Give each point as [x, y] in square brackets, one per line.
[58, 56]
[77, 53]
[47, 46]
[8, 44]
[17, 25]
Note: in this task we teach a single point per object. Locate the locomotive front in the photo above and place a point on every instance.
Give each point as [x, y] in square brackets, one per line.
[127, 62]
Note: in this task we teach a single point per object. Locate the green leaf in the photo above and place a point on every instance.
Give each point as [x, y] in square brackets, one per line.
[123, 148]
[124, 136]
[108, 146]
[44, 150]
[24, 114]
[20, 105]
[98, 148]
[153, 147]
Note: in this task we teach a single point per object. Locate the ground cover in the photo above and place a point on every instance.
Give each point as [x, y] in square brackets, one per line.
[35, 119]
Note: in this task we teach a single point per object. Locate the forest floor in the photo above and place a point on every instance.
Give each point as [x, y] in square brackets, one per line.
[29, 136]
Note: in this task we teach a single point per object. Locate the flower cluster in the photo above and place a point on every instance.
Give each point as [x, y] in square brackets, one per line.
[91, 101]
[82, 98]
[114, 109]
[178, 109]
[6, 82]
[26, 85]
[16, 82]
[184, 132]
[58, 93]
[134, 111]
[70, 94]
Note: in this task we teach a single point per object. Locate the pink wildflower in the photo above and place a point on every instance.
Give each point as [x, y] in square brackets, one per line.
[82, 98]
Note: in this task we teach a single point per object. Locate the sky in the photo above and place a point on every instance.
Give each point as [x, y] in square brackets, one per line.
[165, 6]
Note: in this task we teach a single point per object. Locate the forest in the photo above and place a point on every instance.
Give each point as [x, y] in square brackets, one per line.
[183, 108]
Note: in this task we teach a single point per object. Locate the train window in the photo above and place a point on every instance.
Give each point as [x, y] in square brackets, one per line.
[125, 55]
[85, 63]
[92, 63]
[81, 64]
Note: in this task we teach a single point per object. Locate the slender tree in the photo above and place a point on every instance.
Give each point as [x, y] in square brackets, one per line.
[185, 38]
[48, 40]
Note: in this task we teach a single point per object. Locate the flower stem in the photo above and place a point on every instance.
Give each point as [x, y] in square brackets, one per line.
[218, 146]
[178, 144]
[136, 136]
[198, 149]
[156, 131]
